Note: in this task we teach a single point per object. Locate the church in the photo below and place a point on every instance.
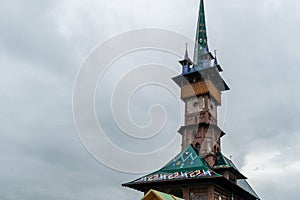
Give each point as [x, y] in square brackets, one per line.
[200, 171]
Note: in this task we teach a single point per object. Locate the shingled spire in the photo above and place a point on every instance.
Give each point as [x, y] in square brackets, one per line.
[201, 36]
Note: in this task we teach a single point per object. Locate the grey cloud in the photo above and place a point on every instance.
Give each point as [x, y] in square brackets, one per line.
[42, 45]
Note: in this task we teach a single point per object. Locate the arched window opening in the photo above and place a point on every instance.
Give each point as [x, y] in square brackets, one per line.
[198, 147]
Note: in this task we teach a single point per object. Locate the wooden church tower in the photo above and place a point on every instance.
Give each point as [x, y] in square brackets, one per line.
[200, 171]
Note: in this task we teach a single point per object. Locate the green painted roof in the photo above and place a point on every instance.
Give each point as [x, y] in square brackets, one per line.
[186, 165]
[168, 196]
[187, 160]
[161, 195]
[223, 162]
[246, 186]
[201, 36]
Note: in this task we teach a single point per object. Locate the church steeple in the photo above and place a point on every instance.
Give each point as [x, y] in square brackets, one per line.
[201, 88]
[200, 171]
[201, 36]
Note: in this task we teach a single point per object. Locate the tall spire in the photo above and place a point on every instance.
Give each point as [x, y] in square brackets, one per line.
[201, 36]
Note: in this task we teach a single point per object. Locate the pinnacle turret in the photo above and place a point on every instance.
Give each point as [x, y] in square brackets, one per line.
[186, 62]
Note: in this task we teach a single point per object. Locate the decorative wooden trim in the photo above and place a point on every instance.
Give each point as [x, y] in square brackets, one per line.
[200, 88]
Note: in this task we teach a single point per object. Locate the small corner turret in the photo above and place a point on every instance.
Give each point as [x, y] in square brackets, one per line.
[186, 62]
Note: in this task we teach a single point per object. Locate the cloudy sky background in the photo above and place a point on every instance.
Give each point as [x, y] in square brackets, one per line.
[43, 44]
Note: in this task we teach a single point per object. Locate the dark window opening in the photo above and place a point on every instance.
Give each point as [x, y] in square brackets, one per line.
[198, 147]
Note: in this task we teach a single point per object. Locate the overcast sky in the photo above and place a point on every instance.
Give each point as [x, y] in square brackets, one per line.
[44, 43]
